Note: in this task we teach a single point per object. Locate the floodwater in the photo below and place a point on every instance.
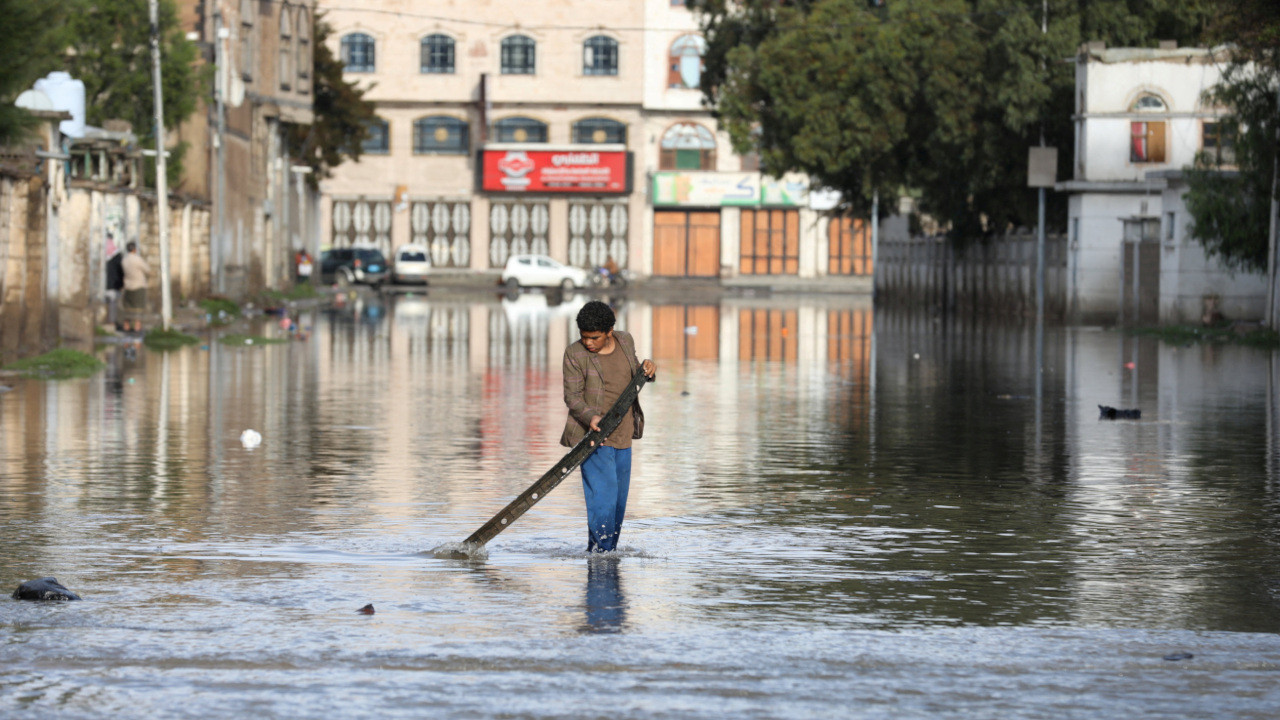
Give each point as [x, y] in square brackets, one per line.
[835, 512]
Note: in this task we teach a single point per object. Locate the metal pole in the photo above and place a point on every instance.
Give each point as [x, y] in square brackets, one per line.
[162, 182]
[1271, 233]
[220, 161]
[875, 239]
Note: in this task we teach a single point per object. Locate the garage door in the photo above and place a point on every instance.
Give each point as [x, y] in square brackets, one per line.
[686, 244]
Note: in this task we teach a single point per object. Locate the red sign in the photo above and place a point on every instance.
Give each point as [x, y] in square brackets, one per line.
[554, 171]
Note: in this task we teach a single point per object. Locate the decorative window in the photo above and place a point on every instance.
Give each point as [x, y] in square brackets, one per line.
[1218, 141]
[305, 61]
[599, 130]
[440, 135]
[1147, 142]
[519, 55]
[358, 53]
[600, 56]
[520, 130]
[285, 71]
[1150, 103]
[246, 40]
[687, 146]
[436, 54]
[685, 63]
[379, 140]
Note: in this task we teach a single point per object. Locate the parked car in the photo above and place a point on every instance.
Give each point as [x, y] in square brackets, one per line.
[541, 271]
[350, 265]
[412, 264]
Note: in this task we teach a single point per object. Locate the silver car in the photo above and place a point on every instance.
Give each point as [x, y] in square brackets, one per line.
[412, 264]
[542, 271]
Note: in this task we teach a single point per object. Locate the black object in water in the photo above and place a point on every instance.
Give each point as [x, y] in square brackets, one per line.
[1106, 412]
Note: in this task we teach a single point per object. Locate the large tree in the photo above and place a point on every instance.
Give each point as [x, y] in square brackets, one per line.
[341, 115]
[30, 46]
[1229, 197]
[111, 53]
[940, 98]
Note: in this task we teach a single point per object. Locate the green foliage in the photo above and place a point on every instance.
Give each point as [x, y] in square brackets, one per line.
[1222, 334]
[59, 364]
[943, 96]
[27, 55]
[220, 309]
[341, 115]
[249, 340]
[111, 53]
[168, 339]
[1231, 209]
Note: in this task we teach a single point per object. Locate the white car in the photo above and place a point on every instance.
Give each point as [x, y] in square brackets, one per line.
[411, 264]
[541, 271]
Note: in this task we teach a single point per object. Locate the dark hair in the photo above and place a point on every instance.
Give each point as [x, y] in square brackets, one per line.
[131, 246]
[595, 316]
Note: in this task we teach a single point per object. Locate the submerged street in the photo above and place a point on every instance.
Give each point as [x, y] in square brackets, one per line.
[835, 512]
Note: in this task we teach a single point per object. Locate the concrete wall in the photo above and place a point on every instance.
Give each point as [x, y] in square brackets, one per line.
[53, 251]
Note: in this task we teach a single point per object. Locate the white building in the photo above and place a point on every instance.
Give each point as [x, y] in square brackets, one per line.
[1141, 115]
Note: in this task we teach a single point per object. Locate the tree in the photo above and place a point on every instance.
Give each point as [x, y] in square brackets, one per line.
[30, 46]
[340, 114]
[111, 53]
[942, 97]
[1231, 208]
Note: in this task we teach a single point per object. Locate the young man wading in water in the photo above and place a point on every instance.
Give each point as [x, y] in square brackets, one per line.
[597, 369]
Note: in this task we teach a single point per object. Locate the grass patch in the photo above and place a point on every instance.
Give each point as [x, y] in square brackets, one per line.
[250, 340]
[57, 364]
[1227, 333]
[220, 310]
[301, 291]
[168, 339]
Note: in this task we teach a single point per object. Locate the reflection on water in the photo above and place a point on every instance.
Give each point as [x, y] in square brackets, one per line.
[830, 505]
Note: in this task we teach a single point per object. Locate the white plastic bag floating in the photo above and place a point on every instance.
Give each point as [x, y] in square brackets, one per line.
[250, 439]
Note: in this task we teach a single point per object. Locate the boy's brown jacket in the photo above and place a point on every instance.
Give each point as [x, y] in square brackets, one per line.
[584, 387]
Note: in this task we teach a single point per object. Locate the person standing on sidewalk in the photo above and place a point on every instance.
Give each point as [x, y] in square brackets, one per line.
[115, 283]
[136, 271]
[597, 368]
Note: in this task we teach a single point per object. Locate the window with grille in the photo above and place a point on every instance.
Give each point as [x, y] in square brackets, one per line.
[519, 130]
[600, 56]
[437, 54]
[599, 130]
[1218, 141]
[358, 53]
[378, 141]
[518, 55]
[304, 60]
[440, 135]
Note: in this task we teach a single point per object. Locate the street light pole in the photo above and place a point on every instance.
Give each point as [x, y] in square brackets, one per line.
[162, 180]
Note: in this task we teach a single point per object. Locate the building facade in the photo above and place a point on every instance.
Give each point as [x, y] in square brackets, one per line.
[576, 130]
[1141, 116]
[262, 210]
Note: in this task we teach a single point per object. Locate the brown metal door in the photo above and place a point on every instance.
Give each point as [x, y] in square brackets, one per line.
[686, 244]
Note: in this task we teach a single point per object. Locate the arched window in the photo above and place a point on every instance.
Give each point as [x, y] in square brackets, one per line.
[440, 135]
[687, 146]
[246, 40]
[1150, 103]
[358, 53]
[600, 56]
[379, 140]
[685, 63]
[599, 130]
[436, 54]
[285, 71]
[519, 55]
[304, 60]
[1147, 137]
[519, 130]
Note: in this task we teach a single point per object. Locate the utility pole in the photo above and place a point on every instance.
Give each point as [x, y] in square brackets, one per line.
[220, 83]
[1270, 314]
[162, 180]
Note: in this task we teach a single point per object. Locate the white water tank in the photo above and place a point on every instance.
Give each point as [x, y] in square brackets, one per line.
[67, 94]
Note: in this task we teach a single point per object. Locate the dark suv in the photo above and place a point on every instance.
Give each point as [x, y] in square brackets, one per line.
[346, 266]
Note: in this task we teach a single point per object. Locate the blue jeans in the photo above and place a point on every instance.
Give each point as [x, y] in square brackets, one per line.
[606, 477]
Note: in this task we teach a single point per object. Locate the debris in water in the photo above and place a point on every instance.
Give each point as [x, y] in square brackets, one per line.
[1106, 412]
[460, 551]
[250, 439]
[43, 589]
[366, 610]
[1179, 656]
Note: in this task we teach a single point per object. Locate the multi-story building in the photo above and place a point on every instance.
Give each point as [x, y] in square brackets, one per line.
[574, 128]
[239, 159]
[1141, 116]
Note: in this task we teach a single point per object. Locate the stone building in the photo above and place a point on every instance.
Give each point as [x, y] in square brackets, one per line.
[574, 128]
